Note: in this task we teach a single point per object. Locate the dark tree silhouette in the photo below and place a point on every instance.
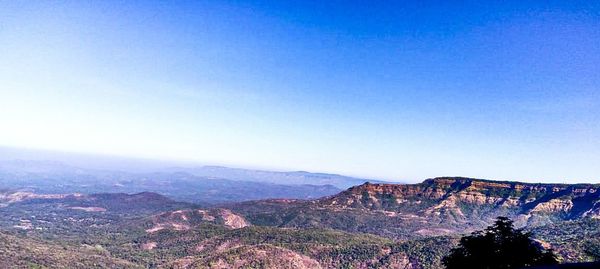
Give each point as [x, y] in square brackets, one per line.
[499, 246]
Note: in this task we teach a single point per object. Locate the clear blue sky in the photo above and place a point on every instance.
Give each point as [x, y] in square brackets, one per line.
[387, 89]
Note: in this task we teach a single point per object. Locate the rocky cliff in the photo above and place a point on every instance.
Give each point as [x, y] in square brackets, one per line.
[463, 198]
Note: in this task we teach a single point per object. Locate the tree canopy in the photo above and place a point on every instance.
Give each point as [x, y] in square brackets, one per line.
[499, 246]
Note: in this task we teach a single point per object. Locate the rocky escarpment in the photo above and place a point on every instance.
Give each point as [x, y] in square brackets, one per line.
[463, 197]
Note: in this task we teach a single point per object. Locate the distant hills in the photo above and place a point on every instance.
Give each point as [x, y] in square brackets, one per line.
[288, 178]
[208, 184]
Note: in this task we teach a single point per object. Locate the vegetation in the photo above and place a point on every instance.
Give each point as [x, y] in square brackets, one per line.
[573, 241]
[497, 247]
[19, 252]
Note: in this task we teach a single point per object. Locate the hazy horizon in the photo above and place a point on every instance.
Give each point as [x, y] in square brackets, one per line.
[136, 165]
[392, 91]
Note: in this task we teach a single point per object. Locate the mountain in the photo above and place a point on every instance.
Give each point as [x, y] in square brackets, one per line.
[439, 206]
[454, 199]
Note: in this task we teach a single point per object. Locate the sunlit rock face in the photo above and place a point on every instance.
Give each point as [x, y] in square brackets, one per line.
[554, 205]
[463, 197]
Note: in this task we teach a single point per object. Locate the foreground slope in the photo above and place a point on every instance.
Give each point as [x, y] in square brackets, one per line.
[20, 252]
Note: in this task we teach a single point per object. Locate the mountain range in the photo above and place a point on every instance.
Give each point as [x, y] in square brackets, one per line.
[438, 206]
[199, 185]
[366, 226]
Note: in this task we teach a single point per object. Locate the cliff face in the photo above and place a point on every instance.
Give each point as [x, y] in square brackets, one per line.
[439, 206]
[463, 197]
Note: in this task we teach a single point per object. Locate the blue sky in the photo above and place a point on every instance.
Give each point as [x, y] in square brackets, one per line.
[397, 90]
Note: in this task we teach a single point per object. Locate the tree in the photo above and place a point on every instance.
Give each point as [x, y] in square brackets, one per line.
[499, 246]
